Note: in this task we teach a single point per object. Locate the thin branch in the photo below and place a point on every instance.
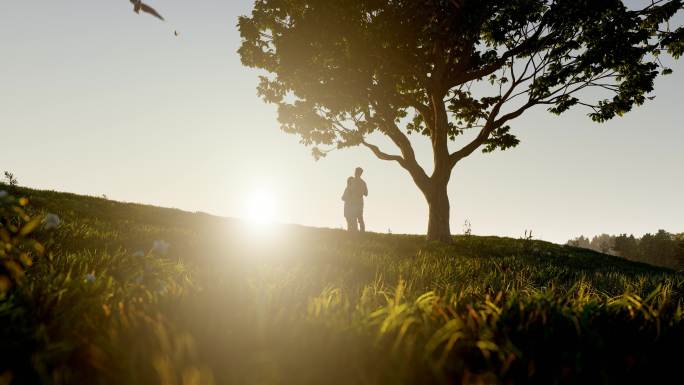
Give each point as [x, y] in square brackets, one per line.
[488, 128]
[496, 65]
[383, 155]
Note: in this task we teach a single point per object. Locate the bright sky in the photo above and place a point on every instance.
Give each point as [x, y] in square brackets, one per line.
[95, 99]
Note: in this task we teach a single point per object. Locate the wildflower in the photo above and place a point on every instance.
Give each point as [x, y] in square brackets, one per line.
[160, 247]
[52, 221]
[90, 278]
[139, 253]
[3, 194]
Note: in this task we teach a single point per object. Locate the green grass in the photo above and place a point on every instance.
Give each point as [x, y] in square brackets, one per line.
[317, 306]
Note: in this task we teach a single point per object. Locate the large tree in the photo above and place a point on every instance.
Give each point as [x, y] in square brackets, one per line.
[455, 71]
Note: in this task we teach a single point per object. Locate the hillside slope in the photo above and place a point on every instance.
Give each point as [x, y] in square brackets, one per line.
[138, 294]
[122, 222]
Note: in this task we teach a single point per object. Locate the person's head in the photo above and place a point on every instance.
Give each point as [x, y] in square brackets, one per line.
[358, 172]
[350, 180]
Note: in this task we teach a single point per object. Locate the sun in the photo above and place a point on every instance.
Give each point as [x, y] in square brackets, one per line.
[261, 207]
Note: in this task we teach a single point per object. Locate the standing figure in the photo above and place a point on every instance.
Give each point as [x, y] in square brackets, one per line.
[351, 206]
[360, 190]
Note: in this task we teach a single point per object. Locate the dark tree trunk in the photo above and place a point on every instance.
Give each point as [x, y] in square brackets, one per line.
[438, 222]
[436, 191]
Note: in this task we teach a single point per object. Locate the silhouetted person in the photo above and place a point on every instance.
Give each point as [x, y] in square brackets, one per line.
[351, 206]
[359, 190]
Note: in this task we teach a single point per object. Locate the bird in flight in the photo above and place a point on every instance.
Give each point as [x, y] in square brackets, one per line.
[138, 6]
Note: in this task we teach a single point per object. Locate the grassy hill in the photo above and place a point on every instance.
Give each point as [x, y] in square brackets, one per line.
[134, 294]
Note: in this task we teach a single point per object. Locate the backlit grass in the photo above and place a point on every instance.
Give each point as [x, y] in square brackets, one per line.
[226, 305]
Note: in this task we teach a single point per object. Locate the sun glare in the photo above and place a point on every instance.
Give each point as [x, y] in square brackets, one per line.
[261, 207]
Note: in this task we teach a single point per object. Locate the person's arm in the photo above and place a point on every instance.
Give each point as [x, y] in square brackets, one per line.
[365, 189]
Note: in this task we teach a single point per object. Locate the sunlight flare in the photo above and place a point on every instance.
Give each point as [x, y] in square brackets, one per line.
[261, 207]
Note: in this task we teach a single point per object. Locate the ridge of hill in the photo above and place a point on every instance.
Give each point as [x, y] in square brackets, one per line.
[122, 215]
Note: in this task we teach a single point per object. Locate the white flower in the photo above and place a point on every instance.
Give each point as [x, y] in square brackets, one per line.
[90, 278]
[161, 247]
[139, 253]
[52, 221]
[3, 193]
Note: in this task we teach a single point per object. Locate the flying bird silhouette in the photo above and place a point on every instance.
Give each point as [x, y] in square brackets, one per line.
[138, 6]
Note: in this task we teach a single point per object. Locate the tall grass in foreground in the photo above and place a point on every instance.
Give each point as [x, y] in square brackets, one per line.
[305, 306]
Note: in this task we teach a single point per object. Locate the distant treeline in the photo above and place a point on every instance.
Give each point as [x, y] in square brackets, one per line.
[662, 248]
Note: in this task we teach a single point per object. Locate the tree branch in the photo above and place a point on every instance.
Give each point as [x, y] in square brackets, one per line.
[383, 155]
[408, 157]
[489, 126]
[493, 67]
[424, 111]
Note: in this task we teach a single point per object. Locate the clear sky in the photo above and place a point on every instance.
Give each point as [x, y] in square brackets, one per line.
[95, 99]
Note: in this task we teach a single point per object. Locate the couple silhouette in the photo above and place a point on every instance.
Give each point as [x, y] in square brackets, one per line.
[353, 201]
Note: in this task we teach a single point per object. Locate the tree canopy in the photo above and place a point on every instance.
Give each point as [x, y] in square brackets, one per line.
[371, 63]
[342, 70]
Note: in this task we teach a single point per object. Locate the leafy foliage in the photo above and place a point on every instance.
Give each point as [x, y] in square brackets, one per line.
[11, 179]
[661, 248]
[342, 70]
[17, 246]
